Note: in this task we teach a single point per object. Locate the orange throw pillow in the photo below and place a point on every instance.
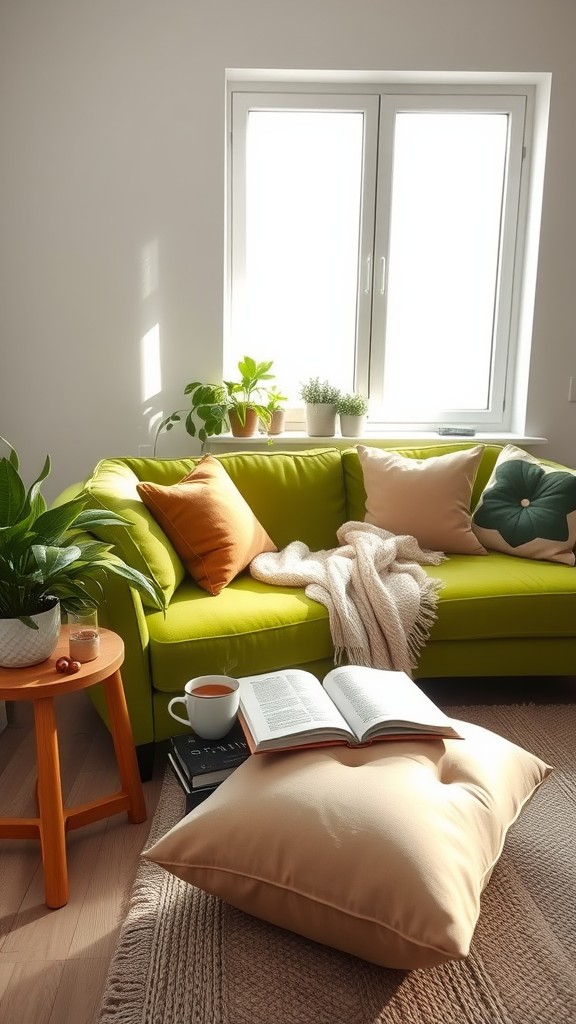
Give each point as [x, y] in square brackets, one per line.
[211, 526]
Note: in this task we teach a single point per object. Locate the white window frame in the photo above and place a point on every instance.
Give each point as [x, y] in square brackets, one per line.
[516, 100]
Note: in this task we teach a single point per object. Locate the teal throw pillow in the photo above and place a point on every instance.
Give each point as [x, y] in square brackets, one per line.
[528, 509]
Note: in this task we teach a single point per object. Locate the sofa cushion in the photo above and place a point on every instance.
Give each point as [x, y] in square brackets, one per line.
[210, 524]
[248, 628]
[144, 546]
[505, 597]
[382, 852]
[428, 499]
[528, 509]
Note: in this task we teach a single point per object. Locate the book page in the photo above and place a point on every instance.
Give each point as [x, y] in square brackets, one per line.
[286, 704]
[369, 698]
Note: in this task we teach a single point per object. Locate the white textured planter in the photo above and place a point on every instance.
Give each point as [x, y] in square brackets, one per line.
[352, 426]
[320, 419]
[20, 645]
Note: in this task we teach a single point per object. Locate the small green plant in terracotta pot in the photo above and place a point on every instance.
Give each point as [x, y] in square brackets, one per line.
[237, 405]
[277, 412]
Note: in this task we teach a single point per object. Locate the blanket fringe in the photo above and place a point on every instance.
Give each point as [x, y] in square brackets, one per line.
[350, 656]
[420, 633]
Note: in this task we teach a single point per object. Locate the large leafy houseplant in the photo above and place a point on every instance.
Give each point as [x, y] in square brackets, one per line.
[212, 404]
[42, 556]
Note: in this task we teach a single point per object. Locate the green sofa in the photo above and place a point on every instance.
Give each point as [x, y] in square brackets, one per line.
[498, 614]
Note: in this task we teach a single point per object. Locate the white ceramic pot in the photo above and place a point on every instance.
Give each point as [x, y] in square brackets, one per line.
[21, 645]
[320, 419]
[352, 426]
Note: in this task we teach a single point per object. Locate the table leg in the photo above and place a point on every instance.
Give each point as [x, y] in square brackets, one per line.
[50, 804]
[124, 747]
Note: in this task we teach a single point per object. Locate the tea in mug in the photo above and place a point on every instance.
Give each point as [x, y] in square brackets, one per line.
[212, 690]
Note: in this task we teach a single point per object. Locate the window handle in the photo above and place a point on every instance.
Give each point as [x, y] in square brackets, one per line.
[368, 275]
[382, 275]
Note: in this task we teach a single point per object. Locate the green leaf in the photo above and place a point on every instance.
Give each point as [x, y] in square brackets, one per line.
[35, 487]
[51, 560]
[138, 580]
[73, 594]
[53, 524]
[90, 517]
[13, 456]
[90, 549]
[27, 621]
[12, 493]
[190, 425]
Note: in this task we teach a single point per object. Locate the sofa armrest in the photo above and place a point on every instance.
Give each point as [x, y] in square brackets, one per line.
[121, 610]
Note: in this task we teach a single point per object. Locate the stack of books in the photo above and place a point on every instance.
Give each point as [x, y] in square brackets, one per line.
[201, 765]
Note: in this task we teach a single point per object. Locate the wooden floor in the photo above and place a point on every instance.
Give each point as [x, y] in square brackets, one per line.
[53, 963]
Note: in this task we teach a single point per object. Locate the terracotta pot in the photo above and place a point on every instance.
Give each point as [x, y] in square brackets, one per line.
[277, 421]
[247, 429]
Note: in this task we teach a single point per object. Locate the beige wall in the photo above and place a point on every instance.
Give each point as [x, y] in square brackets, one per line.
[112, 141]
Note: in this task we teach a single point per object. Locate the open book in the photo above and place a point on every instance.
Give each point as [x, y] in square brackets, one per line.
[354, 706]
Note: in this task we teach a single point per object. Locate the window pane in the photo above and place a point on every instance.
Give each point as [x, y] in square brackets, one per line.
[447, 195]
[297, 302]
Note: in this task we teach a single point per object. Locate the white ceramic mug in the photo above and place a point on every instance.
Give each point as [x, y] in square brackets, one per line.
[211, 704]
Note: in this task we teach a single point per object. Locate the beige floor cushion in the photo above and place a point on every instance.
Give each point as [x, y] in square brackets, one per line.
[382, 852]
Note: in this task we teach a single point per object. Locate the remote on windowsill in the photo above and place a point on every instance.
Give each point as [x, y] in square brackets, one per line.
[457, 431]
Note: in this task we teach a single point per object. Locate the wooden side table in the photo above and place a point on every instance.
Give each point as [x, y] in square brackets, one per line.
[41, 683]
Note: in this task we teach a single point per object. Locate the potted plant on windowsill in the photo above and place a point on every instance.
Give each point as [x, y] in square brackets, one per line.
[247, 398]
[352, 410]
[277, 413]
[238, 405]
[46, 566]
[321, 400]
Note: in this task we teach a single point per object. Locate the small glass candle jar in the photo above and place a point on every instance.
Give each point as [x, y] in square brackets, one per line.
[84, 640]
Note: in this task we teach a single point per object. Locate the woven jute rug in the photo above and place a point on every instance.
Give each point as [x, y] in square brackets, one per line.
[184, 957]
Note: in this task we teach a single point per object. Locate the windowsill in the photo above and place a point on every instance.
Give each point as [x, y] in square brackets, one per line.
[299, 439]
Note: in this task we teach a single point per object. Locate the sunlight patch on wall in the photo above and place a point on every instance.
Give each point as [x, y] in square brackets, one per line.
[150, 373]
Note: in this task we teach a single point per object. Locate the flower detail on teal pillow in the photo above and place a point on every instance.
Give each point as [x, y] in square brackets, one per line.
[526, 502]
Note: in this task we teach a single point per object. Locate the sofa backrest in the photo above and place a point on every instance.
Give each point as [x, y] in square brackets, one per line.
[296, 495]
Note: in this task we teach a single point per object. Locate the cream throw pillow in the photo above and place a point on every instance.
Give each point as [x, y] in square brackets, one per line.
[428, 499]
[382, 851]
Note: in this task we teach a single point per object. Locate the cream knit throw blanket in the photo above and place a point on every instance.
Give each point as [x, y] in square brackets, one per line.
[380, 602]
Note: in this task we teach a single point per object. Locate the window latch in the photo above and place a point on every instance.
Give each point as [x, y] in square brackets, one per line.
[368, 275]
[382, 275]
